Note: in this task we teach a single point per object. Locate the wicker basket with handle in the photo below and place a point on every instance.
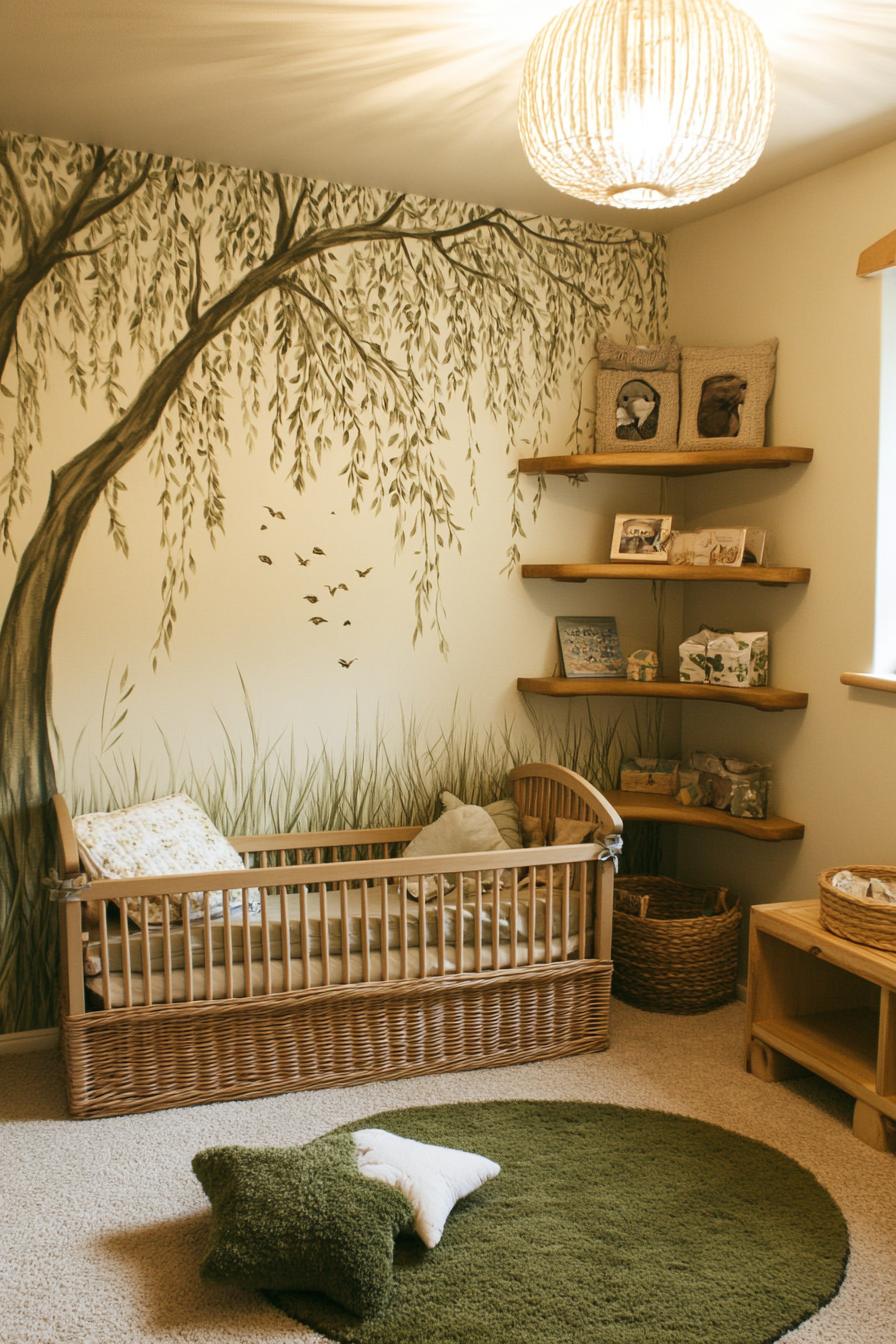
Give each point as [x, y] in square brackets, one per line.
[855, 917]
[669, 955]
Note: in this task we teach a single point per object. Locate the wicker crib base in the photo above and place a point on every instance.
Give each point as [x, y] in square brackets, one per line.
[148, 1059]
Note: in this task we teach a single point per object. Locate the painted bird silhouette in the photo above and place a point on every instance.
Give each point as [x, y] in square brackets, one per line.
[263, 528]
[362, 573]
[266, 560]
[333, 591]
[316, 550]
[343, 663]
[308, 596]
[300, 560]
[318, 620]
[274, 512]
[346, 622]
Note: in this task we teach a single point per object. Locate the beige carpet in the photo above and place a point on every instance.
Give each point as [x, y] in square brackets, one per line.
[102, 1223]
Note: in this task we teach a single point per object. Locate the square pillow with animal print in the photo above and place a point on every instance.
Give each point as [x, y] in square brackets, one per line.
[724, 395]
[636, 412]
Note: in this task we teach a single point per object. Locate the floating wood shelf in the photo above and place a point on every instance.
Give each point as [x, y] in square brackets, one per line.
[666, 464]
[650, 807]
[773, 578]
[757, 697]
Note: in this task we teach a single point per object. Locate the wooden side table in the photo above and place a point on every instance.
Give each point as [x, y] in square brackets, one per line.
[823, 1003]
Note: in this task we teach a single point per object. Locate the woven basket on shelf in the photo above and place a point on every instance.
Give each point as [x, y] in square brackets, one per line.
[668, 954]
[854, 917]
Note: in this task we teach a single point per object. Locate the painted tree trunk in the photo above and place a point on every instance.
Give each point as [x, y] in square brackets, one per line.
[28, 951]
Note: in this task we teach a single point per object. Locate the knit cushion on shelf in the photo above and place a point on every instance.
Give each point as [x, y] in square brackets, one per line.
[156, 839]
[724, 393]
[666, 355]
[302, 1220]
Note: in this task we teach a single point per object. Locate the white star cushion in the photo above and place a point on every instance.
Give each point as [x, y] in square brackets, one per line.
[432, 1178]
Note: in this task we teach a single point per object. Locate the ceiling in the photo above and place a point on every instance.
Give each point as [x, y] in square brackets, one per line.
[417, 95]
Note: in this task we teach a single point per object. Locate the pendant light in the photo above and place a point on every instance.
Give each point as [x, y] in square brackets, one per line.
[646, 103]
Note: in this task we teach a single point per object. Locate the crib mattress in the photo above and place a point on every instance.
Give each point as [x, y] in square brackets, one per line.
[215, 932]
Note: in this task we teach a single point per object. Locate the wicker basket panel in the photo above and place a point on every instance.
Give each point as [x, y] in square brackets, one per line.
[676, 960]
[146, 1059]
[854, 917]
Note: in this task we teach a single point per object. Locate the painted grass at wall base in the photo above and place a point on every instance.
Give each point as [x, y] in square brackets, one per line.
[606, 1225]
[253, 786]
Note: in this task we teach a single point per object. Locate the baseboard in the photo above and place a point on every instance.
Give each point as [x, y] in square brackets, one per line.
[742, 992]
[22, 1042]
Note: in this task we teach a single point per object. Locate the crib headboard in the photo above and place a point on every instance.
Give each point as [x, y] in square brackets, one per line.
[549, 791]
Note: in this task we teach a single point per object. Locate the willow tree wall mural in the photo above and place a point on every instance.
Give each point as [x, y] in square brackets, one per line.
[346, 321]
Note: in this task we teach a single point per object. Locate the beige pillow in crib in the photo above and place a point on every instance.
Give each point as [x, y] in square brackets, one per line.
[567, 832]
[504, 813]
[459, 830]
[155, 839]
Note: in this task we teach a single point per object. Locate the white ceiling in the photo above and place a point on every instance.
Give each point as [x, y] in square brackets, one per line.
[418, 95]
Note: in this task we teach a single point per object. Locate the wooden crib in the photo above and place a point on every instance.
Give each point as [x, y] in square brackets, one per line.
[342, 977]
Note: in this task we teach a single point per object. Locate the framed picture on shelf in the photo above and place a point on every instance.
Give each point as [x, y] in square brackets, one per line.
[641, 537]
[589, 646]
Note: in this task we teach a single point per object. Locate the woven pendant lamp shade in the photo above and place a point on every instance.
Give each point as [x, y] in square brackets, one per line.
[638, 103]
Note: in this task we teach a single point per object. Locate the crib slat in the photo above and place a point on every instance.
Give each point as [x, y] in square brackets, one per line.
[188, 946]
[459, 923]
[324, 932]
[477, 924]
[514, 912]
[228, 948]
[346, 949]
[247, 946]
[125, 954]
[403, 925]
[147, 957]
[104, 954]
[549, 916]
[285, 943]
[304, 936]
[384, 928]
[365, 931]
[421, 930]
[496, 918]
[207, 939]
[265, 938]
[166, 947]
[564, 913]
[533, 913]
[440, 916]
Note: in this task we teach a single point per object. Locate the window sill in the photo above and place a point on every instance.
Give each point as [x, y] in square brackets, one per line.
[869, 683]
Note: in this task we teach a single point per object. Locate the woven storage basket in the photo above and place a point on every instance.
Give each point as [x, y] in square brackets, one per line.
[854, 917]
[673, 958]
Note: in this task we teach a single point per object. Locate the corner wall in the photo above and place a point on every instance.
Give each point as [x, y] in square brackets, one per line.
[784, 265]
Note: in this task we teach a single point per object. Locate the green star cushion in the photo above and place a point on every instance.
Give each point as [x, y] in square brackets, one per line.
[302, 1220]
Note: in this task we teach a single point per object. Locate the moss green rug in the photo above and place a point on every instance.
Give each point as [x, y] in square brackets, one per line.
[606, 1226]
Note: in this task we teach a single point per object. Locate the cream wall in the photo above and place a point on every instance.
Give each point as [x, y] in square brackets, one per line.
[784, 266]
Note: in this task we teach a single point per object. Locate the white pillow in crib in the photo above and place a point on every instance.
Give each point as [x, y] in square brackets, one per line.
[155, 839]
[432, 1178]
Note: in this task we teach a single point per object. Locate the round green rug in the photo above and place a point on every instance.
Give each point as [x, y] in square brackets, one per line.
[606, 1226]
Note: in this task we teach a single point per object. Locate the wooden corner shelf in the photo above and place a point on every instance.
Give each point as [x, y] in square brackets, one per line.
[700, 463]
[651, 807]
[771, 577]
[768, 698]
